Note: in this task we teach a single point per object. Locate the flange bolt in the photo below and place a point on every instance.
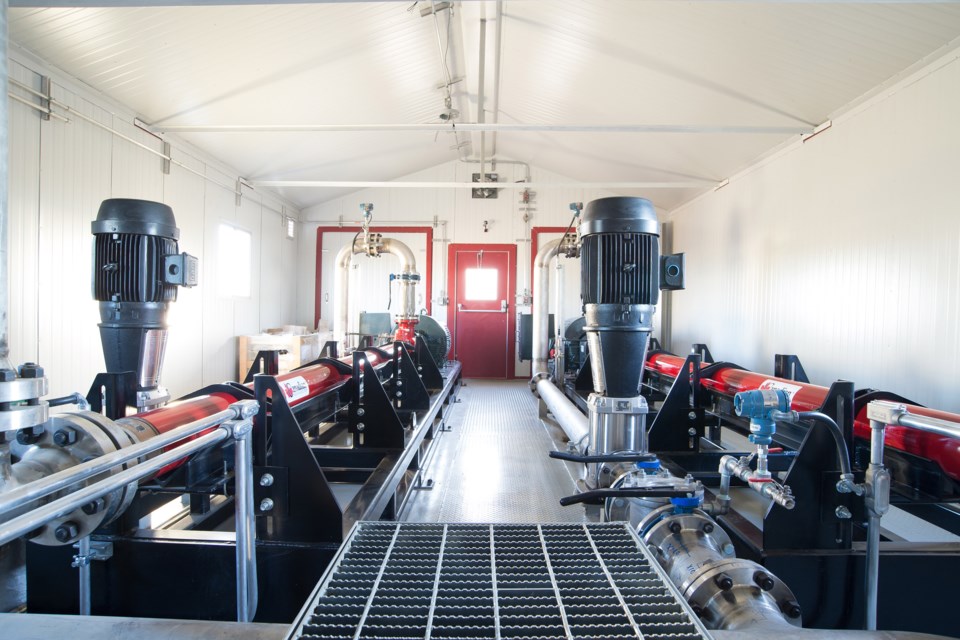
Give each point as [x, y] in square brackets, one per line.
[65, 437]
[791, 608]
[94, 507]
[763, 580]
[675, 527]
[66, 532]
[723, 581]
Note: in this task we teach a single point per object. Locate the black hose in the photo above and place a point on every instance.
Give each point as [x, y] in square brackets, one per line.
[73, 398]
[842, 452]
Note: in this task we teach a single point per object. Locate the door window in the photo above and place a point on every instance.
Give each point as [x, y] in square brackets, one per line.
[480, 284]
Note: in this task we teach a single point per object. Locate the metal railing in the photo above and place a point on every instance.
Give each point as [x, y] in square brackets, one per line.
[235, 422]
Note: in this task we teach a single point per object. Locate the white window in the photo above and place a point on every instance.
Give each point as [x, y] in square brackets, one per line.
[234, 262]
[480, 284]
[290, 227]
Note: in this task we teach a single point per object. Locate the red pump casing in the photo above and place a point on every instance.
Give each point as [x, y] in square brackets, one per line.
[808, 397]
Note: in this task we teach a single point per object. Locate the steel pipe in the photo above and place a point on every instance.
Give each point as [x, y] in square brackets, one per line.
[71, 502]
[567, 415]
[25, 494]
[4, 204]
[408, 267]
[404, 184]
[486, 127]
[541, 311]
[83, 569]
[342, 316]
[731, 466]
[246, 530]
[930, 425]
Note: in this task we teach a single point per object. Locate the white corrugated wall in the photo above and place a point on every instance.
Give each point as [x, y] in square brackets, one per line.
[60, 172]
[844, 250]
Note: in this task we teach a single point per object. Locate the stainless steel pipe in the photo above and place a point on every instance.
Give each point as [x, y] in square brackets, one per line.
[731, 466]
[342, 308]
[567, 415]
[25, 494]
[408, 267]
[541, 305]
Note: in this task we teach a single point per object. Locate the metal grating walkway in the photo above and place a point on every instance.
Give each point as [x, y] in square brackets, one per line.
[472, 581]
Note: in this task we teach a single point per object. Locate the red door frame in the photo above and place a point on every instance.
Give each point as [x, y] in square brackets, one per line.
[427, 272]
[535, 246]
[511, 296]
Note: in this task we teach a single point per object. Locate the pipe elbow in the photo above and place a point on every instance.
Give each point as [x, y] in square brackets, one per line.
[408, 262]
[546, 253]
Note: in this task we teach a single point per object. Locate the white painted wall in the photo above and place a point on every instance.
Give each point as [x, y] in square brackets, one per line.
[60, 172]
[844, 250]
[464, 217]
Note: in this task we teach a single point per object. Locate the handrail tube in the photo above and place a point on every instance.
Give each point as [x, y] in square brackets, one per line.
[63, 479]
[245, 525]
[541, 311]
[71, 502]
[567, 415]
[930, 425]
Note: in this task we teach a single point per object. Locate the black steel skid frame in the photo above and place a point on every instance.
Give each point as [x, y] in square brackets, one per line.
[817, 553]
[403, 404]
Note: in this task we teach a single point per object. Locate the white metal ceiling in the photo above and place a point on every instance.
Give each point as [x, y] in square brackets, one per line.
[576, 61]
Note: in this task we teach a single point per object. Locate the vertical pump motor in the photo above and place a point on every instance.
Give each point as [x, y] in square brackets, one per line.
[136, 272]
[620, 285]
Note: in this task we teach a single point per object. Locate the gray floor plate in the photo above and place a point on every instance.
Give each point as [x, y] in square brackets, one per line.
[493, 465]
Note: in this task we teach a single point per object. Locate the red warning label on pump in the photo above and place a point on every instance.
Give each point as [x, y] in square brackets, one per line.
[773, 385]
[295, 388]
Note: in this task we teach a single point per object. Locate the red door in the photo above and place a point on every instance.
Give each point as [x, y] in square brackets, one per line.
[482, 282]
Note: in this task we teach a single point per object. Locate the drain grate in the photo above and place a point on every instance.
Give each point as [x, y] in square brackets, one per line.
[499, 582]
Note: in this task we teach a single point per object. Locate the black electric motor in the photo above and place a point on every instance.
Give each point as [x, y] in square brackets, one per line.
[136, 272]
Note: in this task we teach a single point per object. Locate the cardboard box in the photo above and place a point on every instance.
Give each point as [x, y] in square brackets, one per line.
[300, 349]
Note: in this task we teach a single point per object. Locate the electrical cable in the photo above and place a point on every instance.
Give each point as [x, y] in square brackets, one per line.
[842, 452]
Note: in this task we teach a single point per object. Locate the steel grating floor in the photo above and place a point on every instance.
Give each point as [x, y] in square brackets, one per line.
[500, 581]
[493, 466]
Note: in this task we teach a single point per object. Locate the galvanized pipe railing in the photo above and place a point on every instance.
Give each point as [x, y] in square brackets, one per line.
[236, 423]
[882, 413]
[28, 493]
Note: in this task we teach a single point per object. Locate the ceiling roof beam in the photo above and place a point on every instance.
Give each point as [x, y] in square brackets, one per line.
[484, 127]
[408, 184]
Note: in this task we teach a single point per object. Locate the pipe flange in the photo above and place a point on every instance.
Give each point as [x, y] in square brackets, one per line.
[68, 440]
[737, 592]
[24, 416]
[537, 377]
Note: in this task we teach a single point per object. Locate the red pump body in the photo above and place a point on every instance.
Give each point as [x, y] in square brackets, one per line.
[298, 387]
[809, 397]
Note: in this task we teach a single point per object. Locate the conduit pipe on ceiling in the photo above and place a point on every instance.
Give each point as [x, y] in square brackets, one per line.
[568, 416]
